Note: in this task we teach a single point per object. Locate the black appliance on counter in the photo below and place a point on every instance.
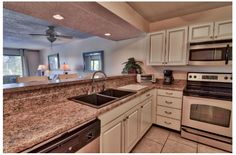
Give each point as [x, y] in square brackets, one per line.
[168, 77]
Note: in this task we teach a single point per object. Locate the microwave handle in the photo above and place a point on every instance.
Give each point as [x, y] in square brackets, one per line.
[227, 54]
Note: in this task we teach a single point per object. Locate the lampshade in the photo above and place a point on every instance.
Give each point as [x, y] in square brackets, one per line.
[65, 67]
[42, 67]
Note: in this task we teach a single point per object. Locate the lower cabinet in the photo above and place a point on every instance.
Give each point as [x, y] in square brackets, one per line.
[145, 117]
[168, 109]
[112, 139]
[122, 134]
[131, 130]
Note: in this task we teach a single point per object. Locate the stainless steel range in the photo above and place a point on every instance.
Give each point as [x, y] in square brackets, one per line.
[207, 109]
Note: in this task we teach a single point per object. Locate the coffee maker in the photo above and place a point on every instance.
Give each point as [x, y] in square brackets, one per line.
[168, 77]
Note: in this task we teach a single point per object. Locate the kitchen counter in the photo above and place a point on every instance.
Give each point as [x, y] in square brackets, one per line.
[16, 87]
[27, 129]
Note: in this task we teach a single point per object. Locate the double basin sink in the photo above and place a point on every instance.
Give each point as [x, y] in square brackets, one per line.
[103, 98]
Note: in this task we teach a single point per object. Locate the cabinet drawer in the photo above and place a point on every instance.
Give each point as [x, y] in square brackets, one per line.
[146, 95]
[168, 122]
[169, 102]
[170, 93]
[169, 112]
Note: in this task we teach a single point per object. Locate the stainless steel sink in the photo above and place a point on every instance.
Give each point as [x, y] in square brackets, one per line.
[103, 98]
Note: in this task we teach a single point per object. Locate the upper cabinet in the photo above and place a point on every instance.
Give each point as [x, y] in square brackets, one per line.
[157, 48]
[168, 47]
[210, 31]
[201, 32]
[176, 46]
[223, 30]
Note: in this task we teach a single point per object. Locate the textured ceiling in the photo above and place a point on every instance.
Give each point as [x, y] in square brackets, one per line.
[88, 17]
[156, 11]
[17, 27]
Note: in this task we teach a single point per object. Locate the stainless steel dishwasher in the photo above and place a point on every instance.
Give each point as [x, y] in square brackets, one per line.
[84, 139]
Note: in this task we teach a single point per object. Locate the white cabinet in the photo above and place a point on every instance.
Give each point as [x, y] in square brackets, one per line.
[223, 30]
[201, 32]
[176, 46]
[168, 47]
[122, 128]
[112, 138]
[131, 130]
[145, 117]
[210, 31]
[157, 48]
[169, 106]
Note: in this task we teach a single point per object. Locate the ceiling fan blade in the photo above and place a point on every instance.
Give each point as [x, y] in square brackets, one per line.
[38, 34]
[62, 36]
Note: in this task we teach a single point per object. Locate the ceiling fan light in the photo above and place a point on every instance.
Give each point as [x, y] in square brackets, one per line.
[107, 34]
[58, 17]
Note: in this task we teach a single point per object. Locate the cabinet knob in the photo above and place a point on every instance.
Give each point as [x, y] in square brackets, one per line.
[168, 123]
[167, 93]
[168, 112]
[148, 95]
[216, 36]
[211, 37]
[167, 102]
[141, 106]
[163, 62]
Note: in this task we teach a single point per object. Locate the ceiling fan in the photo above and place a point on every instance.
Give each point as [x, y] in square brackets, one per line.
[52, 35]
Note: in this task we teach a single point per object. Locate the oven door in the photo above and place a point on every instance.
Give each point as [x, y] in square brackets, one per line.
[208, 115]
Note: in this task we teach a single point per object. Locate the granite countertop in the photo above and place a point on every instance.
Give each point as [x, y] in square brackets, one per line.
[25, 130]
[178, 85]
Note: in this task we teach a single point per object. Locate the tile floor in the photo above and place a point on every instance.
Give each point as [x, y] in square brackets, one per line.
[163, 140]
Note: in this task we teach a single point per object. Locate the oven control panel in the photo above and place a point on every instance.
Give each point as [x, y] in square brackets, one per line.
[210, 77]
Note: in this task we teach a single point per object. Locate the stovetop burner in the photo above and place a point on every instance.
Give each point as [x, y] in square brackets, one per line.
[218, 89]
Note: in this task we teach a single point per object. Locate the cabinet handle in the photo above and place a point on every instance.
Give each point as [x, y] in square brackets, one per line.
[141, 106]
[167, 123]
[163, 62]
[216, 36]
[167, 102]
[168, 112]
[148, 95]
[70, 148]
[169, 93]
[211, 37]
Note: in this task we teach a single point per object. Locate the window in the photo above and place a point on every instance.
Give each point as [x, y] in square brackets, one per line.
[93, 61]
[12, 65]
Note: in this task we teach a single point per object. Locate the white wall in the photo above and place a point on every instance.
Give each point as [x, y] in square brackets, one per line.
[115, 53]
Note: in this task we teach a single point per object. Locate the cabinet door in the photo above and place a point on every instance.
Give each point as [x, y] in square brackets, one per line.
[223, 30]
[157, 48]
[145, 117]
[176, 49]
[111, 139]
[131, 130]
[202, 32]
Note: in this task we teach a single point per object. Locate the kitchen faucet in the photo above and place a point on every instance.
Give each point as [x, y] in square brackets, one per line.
[93, 80]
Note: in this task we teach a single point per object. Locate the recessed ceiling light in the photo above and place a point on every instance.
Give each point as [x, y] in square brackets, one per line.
[107, 34]
[58, 17]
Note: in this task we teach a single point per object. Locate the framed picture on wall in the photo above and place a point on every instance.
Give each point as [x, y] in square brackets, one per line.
[53, 62]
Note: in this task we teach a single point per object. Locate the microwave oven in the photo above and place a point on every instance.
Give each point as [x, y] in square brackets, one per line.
[211, 53]
[143, 78]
